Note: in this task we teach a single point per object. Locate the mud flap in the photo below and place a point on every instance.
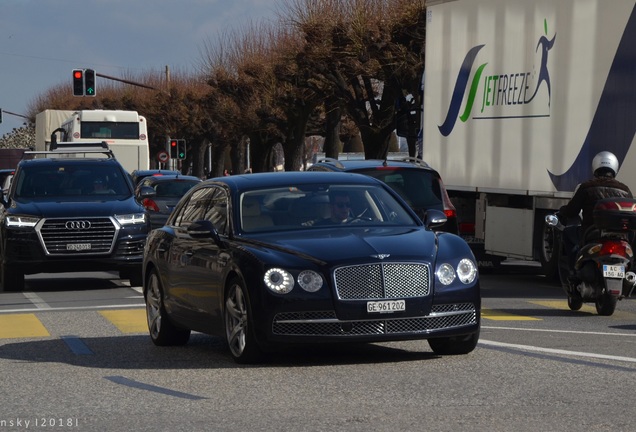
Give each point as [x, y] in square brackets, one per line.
[614, 286]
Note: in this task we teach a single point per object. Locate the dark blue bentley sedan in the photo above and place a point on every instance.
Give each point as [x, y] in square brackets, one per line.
[281, 259]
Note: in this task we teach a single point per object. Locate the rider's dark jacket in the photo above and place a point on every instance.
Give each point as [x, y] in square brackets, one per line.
[588, 193]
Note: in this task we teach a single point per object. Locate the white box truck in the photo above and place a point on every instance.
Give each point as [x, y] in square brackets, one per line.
[125, 132]
[46, 122]
[519, 95]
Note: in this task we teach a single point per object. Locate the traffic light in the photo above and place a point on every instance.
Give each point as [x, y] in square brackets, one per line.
[172, 143]
[89, 82]
[181, 149]
[78, 82]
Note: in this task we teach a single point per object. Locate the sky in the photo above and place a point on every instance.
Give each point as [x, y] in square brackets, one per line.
[42, 41]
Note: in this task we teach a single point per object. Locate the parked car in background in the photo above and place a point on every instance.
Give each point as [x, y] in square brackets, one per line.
[416, 182]
[263, 261]
[138, 175]
[160, 194]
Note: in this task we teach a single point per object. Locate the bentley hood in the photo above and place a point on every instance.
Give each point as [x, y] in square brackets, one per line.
[340, 244]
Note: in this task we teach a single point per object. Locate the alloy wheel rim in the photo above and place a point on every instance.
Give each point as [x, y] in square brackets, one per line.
[153, 307]
[236, 320]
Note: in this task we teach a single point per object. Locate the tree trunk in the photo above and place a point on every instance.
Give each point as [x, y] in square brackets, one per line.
[332, 145]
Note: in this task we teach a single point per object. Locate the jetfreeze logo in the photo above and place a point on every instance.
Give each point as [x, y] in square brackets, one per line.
[502, 94]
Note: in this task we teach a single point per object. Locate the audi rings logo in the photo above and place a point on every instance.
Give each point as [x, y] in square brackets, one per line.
[78, 225]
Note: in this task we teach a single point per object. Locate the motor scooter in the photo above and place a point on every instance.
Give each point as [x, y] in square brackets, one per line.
[597, 267]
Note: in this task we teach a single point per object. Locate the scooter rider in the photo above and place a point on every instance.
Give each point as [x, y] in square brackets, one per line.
[602, 185]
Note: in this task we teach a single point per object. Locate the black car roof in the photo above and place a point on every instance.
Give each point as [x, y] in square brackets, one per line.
[357, 164]
[290, 178]
[68, 160]
[153, 171]
[169, 177]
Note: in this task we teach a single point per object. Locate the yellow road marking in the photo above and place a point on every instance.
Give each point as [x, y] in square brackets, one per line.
[497, 315]
[127, 321]
[586, 308]
[563, 305]
[21, 326]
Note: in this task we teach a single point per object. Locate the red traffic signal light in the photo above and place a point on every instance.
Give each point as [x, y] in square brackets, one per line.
[78, 82]
[173, 149]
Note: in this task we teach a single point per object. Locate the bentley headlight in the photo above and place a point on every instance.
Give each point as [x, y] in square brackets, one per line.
[466, 271]
[21, 221]
[445, 274]
[131, 219]
[278, 280]
[309, 280]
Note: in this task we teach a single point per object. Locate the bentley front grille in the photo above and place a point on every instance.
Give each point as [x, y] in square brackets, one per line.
[78, 236]
[382, 281]
[442, 317]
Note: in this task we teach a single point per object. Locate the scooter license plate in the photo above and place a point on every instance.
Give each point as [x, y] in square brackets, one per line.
[614, 271]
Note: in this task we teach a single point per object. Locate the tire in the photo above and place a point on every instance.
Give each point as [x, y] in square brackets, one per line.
[455, 345]
[606, 304]
[239, 325]
[11, 280]
[549, 251]
[162, 331]
[133, 275]
[575, 303]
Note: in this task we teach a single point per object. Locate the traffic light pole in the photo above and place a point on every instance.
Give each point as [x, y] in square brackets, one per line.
[125, 81]
[14, 114]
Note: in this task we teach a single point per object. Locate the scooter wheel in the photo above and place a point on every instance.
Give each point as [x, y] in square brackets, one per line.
[606, 304]
[574, 303]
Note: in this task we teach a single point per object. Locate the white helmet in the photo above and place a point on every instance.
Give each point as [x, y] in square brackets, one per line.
[605, 160]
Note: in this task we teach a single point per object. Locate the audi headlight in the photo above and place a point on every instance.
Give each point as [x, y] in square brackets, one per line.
[279, 281]
[445, 274]
[466, 271]
[131, 219]
[21, 221]
[310, 281]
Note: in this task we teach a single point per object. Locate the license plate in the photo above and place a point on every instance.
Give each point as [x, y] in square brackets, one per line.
[78, 246]
[614, 271]
[386, 306]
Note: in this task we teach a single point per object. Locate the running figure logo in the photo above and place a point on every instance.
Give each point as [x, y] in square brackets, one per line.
[544, 75]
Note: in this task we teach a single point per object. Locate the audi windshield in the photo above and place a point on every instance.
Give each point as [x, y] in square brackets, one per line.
[71, 180]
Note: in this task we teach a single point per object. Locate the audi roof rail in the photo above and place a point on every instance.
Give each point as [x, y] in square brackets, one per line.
[73, 149]
[74, 144]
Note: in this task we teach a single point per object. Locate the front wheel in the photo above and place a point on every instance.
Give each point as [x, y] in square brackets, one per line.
[239, 325]
[575, 303]
[133, 275]
[549, 251]
[606, 304]
[162, 331]
[11, 280]
[454, 345]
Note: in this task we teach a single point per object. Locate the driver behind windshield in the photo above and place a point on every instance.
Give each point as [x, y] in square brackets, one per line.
[339, 208]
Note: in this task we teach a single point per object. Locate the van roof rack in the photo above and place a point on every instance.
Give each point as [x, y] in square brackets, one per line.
[336, 162]
[413, 160]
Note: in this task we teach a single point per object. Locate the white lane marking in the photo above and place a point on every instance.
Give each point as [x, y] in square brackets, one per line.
[557, 351]
[560, 331]
[36, 300]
